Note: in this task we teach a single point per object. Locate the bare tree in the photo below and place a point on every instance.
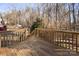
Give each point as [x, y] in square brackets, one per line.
[74, 19]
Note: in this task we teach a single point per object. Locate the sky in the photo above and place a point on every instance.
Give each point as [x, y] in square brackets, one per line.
[8, 6]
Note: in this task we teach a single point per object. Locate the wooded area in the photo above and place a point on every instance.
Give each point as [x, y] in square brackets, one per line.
[43, 29]
[61, 16]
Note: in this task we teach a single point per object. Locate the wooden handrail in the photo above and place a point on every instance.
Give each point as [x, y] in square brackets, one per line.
[66, 31]
[12, 37]
[64, 38]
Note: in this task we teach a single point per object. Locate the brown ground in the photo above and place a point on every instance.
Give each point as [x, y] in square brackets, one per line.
[15, 52]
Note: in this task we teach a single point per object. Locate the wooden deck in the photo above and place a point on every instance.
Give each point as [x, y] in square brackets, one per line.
[42, 42]
[42, 48]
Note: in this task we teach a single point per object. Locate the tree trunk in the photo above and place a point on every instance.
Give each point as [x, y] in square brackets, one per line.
[56, 13]
[69, 18]
[74, 19]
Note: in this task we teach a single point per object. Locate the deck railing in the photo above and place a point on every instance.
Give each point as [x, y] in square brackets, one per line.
[65, 39]
[8, 38]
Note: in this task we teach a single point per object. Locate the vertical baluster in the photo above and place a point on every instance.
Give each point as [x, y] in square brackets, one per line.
[60, 39]
[4, 39]
[72, 40]
[54, 36]
[36, 33]
[0, 41]
[44, 35]
[19, 36]
[50, 36]
[76, 42]
[13, 41]
[57, 38]
[9, 38]
[66, 39]
[23, 36]
[5, 35]
[63, 39]
[69, 41]
[40, 34]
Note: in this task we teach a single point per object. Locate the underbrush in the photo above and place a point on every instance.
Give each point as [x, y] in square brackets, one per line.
[15, 52]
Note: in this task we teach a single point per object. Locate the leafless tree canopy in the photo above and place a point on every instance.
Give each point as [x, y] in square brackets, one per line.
[62, 16]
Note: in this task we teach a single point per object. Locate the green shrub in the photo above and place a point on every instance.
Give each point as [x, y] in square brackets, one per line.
[37, 24]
